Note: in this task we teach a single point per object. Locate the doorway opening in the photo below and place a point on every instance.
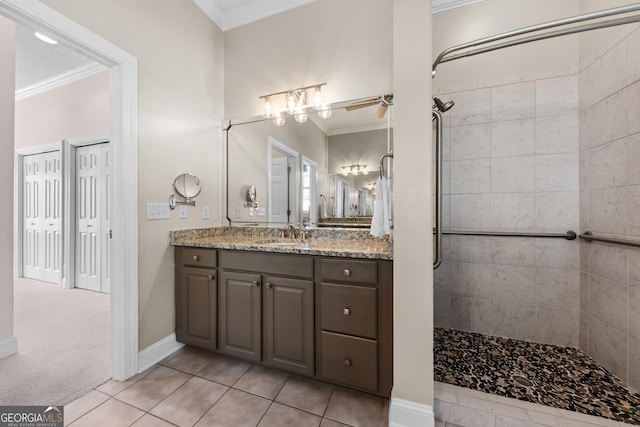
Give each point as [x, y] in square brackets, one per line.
[282, 167]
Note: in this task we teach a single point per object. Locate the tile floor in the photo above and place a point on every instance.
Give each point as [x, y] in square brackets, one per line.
[194, 387]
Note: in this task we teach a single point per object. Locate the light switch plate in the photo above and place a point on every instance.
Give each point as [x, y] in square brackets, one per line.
[261, 211]
[205, 211]
[158, 211]
[238, 212]
[183, 213]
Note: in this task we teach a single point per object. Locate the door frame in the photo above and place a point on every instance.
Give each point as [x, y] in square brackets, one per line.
[293, 161]
[123, 129]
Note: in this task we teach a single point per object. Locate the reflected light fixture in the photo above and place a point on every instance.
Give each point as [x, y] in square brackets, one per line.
[294, 102]
[354, 169]
[45, 38]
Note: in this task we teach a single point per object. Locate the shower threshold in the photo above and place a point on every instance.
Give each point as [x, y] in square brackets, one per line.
[554, 376]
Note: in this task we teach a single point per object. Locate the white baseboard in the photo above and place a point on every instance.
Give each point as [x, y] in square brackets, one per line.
[8, 347]
[157, 351]
[404, 413]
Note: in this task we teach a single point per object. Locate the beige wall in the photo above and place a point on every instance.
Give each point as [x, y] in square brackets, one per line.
[346, 44]
[77, 109]
[7, 93]
[180, 82]
[413, 281]
[487, 18]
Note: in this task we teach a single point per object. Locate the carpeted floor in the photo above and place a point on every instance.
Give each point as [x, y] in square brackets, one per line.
[551, 375]
[63, 345]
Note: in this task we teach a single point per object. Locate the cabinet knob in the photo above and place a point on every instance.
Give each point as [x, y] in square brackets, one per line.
[254, 283]
[196, 258]
[267, 285]
[211, 277]
[347, 363]
[347, 273]
[346, 311]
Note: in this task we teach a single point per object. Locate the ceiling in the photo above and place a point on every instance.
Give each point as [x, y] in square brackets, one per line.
[40, 65]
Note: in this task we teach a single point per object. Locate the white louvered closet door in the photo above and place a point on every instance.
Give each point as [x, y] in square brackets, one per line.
[42, 198]
[93, 179]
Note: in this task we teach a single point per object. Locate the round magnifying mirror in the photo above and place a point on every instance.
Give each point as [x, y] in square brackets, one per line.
[251, 193]
[187, 185]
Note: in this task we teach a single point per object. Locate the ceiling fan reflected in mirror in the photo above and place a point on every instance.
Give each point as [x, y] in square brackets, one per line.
[385, 101]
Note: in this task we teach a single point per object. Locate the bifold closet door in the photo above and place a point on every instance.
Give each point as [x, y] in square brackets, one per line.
[42, 201]
[93, 197]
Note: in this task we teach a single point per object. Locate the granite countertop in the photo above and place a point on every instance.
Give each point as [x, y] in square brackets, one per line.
[326, 242]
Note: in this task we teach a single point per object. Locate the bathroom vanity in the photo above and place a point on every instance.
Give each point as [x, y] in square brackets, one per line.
[322, 308]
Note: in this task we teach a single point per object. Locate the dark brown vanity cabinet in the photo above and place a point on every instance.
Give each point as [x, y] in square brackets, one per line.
[196, 297]
[354, 323]
[266, 309]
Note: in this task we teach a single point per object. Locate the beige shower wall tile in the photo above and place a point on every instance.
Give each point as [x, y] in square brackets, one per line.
[608, 302]
[609, 77]
[472, 211]
[633, 57]
[514, 251]
[509, 283]
[634, 267]
[634, 108]
[513, 138]
[471, 142]
[559, 326]
[558, 287]
[634, 364]
[442, 310]
[557, 172]
[634, 211]
[514, 320]
[513, 211]
[559, 253]
[609, 210]
[609, 261]
[634, 313]
[470, 176]
[461, 312]
[608, 346]
[557, 211]
[583, 342]
[472, 107]
[475, 249]
[467, 278]
[557, 96]
[633, 152]
[607, 120]
[514, 101]
[609, 165]
[557, 134]
[513, 174]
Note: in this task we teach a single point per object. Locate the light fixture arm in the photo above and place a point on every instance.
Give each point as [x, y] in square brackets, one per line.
[297, 91]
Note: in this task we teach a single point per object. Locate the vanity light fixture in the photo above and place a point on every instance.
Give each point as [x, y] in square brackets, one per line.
[295, 104]
[354, 169]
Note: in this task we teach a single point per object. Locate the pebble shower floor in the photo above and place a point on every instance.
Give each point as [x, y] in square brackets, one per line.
[551, 375]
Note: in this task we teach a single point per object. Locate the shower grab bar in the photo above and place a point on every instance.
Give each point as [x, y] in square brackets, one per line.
[589, 237]
[447, 54]
[567, 235]
[384, 156]
[437, 255]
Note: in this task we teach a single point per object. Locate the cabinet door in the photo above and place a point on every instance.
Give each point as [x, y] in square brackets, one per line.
[288, 324]
[240, 314]
[196, 300]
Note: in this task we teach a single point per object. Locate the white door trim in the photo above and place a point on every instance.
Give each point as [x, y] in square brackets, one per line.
[123, 129]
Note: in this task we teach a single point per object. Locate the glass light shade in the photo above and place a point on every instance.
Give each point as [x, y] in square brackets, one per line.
[317, 98]
[301, 115]
[267, 108]
[291, 103]
[279, 119]
[325, 111]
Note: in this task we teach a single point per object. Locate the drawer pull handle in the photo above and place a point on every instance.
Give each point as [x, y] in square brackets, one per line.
[347, 363]
[267, 285]
[196, 258]
[347, 273]
[346, 311]
[254, 283]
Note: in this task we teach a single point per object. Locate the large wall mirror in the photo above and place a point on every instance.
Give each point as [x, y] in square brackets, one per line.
[321, 172]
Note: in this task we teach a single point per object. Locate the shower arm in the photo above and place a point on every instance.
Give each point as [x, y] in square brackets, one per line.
[447, 54]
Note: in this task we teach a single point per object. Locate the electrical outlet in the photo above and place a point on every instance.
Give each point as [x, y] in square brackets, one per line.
[261, 211]
[238, 212]
[158, 211]
[183, 213]
[205, 211]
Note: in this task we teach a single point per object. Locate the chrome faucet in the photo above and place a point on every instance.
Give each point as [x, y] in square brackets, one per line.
[289, 231]
[302, 232]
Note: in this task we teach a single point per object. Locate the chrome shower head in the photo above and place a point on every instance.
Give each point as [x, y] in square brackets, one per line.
[442, 106]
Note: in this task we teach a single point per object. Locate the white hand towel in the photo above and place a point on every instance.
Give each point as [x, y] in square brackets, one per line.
[323, 207]
[380, 221]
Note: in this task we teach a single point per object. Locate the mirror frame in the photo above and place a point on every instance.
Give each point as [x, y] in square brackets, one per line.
[228, 124]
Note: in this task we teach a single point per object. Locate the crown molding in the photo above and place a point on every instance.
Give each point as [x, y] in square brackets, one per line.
[438, 6]
[60, 80]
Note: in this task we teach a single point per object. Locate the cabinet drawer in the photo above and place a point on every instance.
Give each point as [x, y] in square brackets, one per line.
[350, 271]
[350, 360]
[198, 257]
[277, 264]
[349, 309]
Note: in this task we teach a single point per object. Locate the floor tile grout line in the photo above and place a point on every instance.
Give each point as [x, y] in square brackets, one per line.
[214, 404]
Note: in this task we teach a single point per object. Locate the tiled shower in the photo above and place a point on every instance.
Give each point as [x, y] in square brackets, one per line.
[548, 152]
